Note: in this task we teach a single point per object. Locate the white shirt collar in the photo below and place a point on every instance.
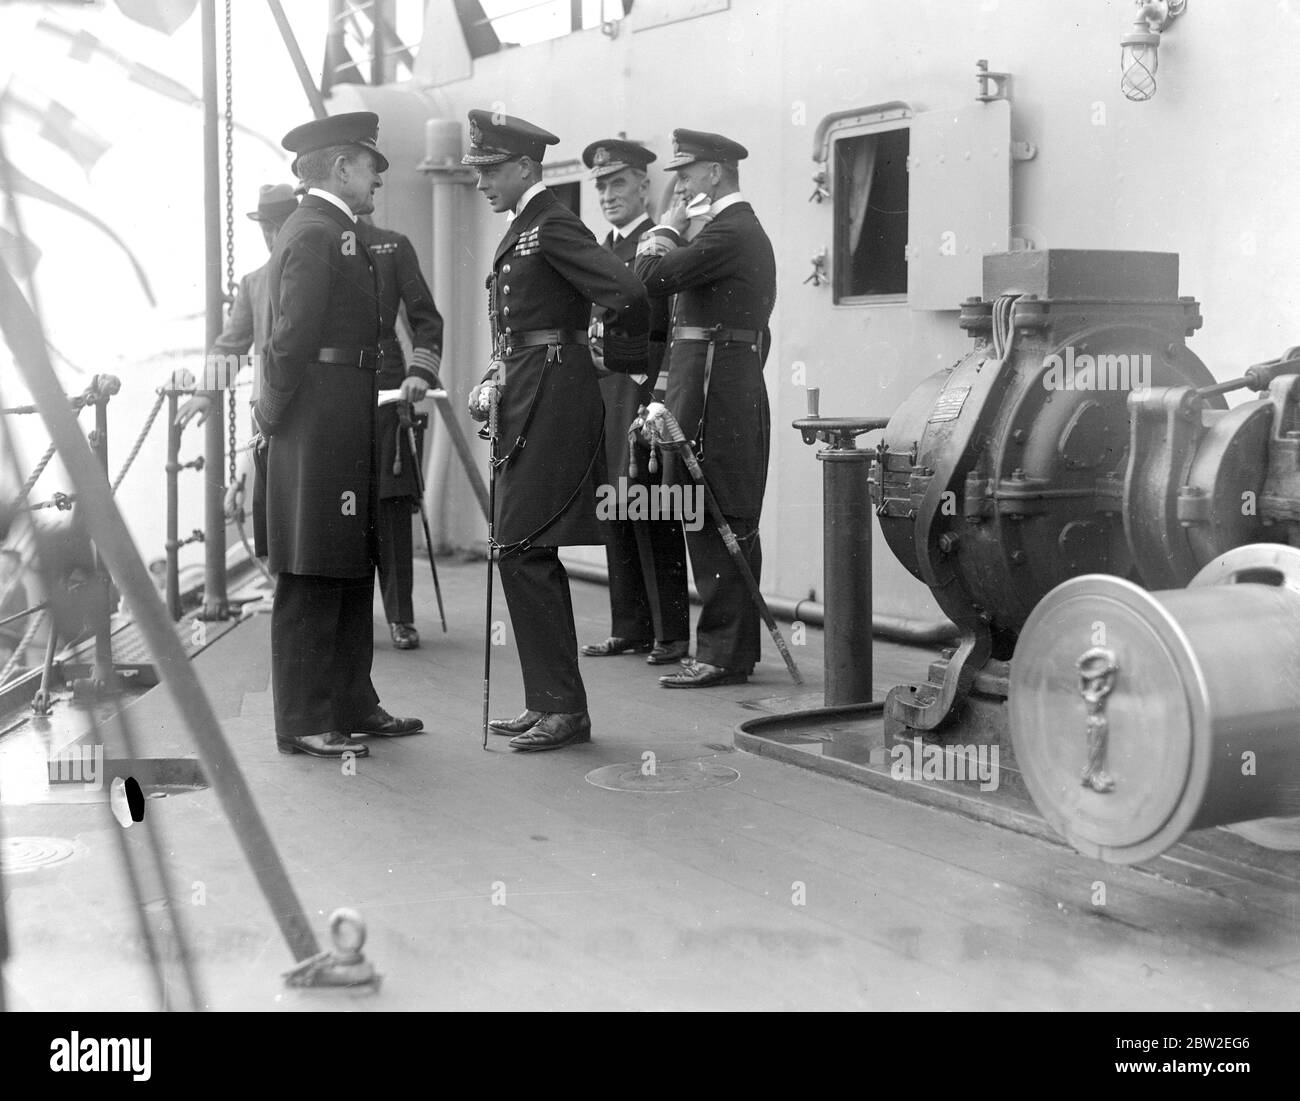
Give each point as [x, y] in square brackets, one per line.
[630, 227]
[727, 200]
[527, 197]
[332, 198]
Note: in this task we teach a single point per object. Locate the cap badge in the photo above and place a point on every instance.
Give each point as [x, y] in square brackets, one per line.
[475, 134]
[600, 157]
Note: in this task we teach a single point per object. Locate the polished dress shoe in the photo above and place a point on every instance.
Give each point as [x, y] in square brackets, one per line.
[510, 727]
[405, 636]
[380, 722]
[614, 645]
[665, 653]
[700, 674]
[329, 744]
[554, 731]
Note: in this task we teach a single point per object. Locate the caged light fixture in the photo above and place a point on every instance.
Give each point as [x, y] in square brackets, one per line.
[1139, 49]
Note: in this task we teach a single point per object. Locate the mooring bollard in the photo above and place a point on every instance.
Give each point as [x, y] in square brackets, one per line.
[846, 550]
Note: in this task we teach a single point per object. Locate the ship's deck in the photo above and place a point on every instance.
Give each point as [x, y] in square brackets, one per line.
[496, 880]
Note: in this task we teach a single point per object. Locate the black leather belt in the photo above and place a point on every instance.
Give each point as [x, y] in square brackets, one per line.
[717, 334]
[531, 338]
[368, 359]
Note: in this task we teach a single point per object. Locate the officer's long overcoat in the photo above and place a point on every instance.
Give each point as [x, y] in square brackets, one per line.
[321, 463]
[547, 272]
[726, 276]
[401, 283]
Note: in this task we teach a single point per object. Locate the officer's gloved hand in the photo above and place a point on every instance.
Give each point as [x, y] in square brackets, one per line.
[198, 406]
[481, 397]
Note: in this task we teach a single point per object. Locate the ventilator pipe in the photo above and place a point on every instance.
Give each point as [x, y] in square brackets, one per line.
[442, 151]
[896, 628]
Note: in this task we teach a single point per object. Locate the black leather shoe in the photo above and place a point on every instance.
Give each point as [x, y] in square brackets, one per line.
[405, 636]
[555, 731]
[665, 653]
[380, 722]
[329, 744]
[510, 727]
[614, 645]
[699, 674]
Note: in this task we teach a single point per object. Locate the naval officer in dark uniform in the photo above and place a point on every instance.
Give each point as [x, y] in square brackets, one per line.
[401, 284]
[648, 603]
[317, 410]
[725, 283]
[547, 272]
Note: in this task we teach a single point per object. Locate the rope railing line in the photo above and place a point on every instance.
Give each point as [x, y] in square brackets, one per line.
[139, 442]
[34, 476]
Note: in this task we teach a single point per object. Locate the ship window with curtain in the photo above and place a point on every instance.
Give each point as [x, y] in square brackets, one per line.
[490, 25]
[870, 195]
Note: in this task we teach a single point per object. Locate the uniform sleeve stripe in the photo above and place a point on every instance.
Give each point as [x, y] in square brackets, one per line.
[426, 359]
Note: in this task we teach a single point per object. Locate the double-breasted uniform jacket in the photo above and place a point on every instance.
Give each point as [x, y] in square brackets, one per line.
[623, 395]
[547, 273]
[401, 283]
[320, 416]
[726, 277]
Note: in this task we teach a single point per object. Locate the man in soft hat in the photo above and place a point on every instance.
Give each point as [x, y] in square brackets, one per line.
[547, 272]
[247, 326]
[649, 608]
[725, 283]
[317, 409]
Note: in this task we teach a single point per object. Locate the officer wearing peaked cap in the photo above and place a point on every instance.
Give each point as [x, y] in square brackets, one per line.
[649, 608]
[547, 272]
[317, 410]
[725, 285]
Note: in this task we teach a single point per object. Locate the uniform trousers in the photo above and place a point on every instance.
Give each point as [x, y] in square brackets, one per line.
[727, 632]
[322, 647]
[631, 614]
[396, 572]
[541, 611]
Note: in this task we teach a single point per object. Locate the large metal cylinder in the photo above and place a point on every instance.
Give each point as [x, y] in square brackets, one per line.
[847, 567]
[1136, 716]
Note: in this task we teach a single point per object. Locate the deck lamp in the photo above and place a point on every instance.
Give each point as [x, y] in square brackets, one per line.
[1139, 49]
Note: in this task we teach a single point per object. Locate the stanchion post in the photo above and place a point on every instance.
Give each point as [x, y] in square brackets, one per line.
[846, 551]
[173, 506]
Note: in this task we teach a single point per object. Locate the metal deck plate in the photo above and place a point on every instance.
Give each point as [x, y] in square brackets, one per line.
[663, 777]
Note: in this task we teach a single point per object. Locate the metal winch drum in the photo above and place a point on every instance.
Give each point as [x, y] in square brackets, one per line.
[1136, 716]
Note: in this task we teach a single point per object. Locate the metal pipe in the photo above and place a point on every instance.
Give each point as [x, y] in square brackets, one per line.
[106, 526]
[299, 64]
[378, 65]
[896, 628]
[215, 604]
[438, 474]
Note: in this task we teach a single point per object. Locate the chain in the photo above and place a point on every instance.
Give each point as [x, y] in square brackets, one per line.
[231, 286]
[139, 440]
